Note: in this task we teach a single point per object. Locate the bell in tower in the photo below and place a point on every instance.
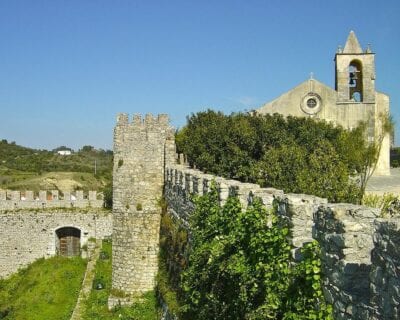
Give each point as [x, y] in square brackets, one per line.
[355, 73]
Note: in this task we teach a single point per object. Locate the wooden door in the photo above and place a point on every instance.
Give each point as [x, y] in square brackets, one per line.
[69, 241]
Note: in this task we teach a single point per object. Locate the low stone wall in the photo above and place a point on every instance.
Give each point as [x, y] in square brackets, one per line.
[360, 252]
[345, 234]
[12, 200]
[385, 270]
[28, 235]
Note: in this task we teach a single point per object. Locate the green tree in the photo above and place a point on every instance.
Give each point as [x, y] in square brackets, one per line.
[327, 176]
[294, 154]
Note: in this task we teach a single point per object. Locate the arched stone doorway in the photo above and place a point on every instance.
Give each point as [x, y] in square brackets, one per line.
[68, 241]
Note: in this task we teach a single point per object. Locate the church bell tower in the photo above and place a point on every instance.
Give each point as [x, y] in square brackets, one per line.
[355, 73]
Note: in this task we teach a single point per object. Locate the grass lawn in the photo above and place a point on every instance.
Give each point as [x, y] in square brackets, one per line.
[46, 289]
[96, 304]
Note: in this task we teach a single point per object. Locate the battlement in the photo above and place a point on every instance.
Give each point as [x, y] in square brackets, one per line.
[162, 120]
[182, 183]
[359, 250]
[12, 200]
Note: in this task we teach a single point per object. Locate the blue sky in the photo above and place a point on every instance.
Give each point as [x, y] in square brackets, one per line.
[68, 67]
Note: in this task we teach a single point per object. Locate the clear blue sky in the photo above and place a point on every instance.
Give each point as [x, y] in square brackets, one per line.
[68, 67]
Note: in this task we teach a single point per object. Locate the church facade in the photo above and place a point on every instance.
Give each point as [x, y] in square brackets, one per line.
[354, 98]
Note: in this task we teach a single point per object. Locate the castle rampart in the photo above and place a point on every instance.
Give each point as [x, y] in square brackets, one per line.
[182, 183]
[12, 200]
[27, 235]
[360, 255]
[359, 251]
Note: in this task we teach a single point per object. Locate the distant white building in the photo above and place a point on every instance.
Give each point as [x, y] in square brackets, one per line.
[64, 152]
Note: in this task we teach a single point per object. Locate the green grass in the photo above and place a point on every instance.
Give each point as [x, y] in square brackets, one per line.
[12, 176]
[47, 289]
[96, 304]
[388, 203]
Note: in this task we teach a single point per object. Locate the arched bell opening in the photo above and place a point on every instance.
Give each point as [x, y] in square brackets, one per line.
[68, 241]
[355, 81]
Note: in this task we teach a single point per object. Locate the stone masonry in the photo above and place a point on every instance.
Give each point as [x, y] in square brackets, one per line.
[141, 150]
[11, 200]
[360, 252]
[385, 270]
[182, 183]
[27, 235]
[345, 234]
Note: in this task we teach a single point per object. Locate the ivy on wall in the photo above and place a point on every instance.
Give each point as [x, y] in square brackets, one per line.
[239, 265]
[173, 260]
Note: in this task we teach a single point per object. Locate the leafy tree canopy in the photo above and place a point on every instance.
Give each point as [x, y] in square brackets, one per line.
[294, 154]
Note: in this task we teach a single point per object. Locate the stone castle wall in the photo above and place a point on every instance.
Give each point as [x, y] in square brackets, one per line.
[359, 255]
[182, 183]
[345, 233]
[385, 270]
[11, 200]
[27, 235]
[360, 252]
[141, 149]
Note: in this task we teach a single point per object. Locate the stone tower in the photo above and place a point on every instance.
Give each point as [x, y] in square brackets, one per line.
[141, 150]
[355, 73]
[356, 94]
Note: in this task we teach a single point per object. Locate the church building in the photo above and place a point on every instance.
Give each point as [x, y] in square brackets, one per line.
[354, 98]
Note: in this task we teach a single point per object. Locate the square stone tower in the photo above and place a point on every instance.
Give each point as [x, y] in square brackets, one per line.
[141, 150]
[355, 73]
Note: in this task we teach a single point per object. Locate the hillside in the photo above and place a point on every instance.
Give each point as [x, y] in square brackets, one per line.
[23, 168]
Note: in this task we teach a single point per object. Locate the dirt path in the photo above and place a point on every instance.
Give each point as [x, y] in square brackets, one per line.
[87, 281]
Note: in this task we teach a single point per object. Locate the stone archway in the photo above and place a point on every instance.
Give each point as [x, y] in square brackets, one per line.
[68, 241]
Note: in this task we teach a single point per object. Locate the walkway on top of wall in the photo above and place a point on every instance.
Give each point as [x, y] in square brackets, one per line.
[385, 184]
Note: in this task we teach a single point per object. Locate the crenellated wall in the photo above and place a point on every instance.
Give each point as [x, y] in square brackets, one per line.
[182, 183]
[360, 252]
[11, 200]
[26, 235]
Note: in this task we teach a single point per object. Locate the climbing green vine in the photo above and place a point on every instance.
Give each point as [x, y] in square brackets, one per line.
[305, 298]
[240, 266]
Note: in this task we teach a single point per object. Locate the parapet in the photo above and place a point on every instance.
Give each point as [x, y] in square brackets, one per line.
[360, 255]
[148, 120]
[144, 131]
[13, 200]
[182, 182]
